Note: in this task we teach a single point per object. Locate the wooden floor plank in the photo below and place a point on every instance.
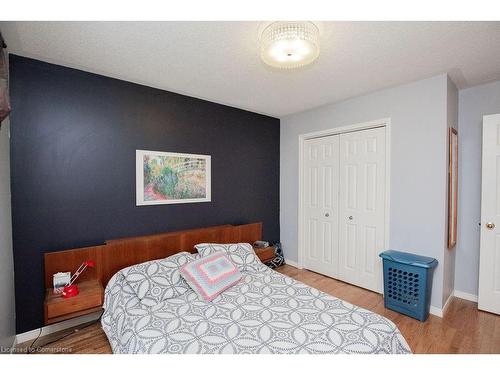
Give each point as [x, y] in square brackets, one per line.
[463, 329]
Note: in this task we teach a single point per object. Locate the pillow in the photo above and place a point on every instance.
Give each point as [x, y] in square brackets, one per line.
[209, 276]
[241, 254]
[158, 280]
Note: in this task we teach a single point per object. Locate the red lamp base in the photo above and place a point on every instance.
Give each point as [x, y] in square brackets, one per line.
[70, 291]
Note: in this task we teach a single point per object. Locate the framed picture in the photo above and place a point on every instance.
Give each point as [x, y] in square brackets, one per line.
[169, 178]
[452, 187]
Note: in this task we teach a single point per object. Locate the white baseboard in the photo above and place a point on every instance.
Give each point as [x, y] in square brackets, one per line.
[447, 303]
[436, 311]
[456, 293]
[47, 330]
[291, 263]
[464, 295]
[14, 344]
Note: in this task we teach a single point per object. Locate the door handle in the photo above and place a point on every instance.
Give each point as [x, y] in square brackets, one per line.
[350, 218]
[327, 214]
[490, 225]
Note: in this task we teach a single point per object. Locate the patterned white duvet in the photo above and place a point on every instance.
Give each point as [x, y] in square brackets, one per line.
[266, 312]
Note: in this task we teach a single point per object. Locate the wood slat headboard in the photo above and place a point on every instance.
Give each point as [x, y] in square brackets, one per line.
[120, 253]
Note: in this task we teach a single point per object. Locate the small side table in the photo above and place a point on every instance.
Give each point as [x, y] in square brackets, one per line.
[89, 300]
[265, 254]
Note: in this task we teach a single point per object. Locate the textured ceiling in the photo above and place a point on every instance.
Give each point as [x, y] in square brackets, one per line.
[219, 61]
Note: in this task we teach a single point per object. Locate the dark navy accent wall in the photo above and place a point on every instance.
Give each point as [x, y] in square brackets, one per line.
[73, 141]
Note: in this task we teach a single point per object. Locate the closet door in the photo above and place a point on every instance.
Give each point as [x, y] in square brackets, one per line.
[320, 205]
[362, 207]
[489, 259]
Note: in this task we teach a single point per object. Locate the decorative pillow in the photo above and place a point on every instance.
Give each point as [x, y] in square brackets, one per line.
[158, 280]
[209, 276]
[241, 254]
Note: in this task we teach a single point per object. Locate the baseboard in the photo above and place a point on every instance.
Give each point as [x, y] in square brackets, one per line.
[291, 263]
[436, 311]
[14, 344]
[447, 303]
[47, 330]
[466, 296]
[456, 293]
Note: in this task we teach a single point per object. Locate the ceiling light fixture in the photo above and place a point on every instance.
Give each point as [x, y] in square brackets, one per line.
[290, 45]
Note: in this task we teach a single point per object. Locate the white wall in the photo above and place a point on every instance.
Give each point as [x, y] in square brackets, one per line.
[7, 306]
[474, 102]
[450, 254]
[418, 113]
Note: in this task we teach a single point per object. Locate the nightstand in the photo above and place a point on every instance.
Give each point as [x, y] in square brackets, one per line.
[89, 300]
[265, 254]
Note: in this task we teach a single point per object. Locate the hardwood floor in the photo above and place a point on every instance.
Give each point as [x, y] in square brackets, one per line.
[463, 329]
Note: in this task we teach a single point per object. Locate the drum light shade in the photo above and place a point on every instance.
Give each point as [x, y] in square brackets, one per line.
[289, 45]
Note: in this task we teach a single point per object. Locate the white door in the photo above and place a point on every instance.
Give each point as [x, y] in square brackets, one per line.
[344, 206]
[321, 183]
[489, 265]
[362, 207]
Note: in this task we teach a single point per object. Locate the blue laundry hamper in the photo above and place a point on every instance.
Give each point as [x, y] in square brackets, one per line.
[408, 283]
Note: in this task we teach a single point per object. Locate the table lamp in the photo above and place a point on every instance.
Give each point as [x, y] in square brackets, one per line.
[70, 289]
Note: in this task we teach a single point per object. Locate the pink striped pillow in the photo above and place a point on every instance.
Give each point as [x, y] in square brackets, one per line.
[209, 276]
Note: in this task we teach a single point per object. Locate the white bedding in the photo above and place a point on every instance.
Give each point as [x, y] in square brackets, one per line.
[266, 312]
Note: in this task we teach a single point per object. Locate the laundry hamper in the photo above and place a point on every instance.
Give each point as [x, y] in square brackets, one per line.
[408, 283]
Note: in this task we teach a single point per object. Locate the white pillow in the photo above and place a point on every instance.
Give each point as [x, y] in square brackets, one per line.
[158, 280]
[241, 254]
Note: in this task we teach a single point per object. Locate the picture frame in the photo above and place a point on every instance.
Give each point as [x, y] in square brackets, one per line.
[452, 187]
[172, 178]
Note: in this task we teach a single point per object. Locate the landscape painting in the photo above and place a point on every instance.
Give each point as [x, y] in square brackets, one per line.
[168, 177]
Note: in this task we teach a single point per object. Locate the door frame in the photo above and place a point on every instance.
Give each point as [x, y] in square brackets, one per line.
[386, 123]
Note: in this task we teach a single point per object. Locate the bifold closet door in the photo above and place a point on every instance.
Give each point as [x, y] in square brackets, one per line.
[362, 207]
[320, 205]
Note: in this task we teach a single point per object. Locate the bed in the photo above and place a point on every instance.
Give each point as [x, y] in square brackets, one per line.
[266, 312]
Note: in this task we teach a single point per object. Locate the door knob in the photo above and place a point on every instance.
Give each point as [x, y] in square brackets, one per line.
[327, 214]
[490, 225]
[350, 218]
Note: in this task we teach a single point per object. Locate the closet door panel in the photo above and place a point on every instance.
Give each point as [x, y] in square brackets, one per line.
[321, 205]
[362, 207]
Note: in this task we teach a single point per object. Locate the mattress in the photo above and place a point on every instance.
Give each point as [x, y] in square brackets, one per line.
[266, 312]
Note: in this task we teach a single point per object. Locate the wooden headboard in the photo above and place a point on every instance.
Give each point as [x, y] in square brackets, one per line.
[120, 253]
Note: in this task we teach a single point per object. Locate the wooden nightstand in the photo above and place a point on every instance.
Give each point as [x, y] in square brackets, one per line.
[265, 254]
[89, 300]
